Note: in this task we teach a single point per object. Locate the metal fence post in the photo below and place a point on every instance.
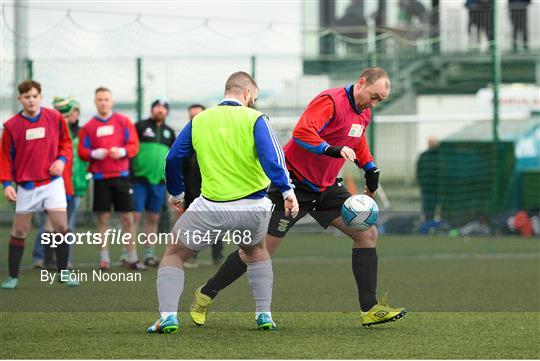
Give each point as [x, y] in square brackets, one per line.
[29, 69]
[253, 66]
[140, 101]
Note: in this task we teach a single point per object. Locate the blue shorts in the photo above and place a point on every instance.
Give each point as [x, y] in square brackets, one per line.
[149, 197]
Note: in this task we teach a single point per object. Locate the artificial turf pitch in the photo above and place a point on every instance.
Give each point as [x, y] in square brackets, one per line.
[468, 298]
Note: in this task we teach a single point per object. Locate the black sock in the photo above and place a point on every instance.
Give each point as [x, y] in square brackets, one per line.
[364, 266]
[217, 251]
[48, 252]
[62, 253]
[15, 253]
[232, 269]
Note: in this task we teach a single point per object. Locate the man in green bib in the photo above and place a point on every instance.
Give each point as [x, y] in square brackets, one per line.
[239, 156]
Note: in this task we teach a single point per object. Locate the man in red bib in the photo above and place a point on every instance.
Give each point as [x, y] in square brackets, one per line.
[330, 131]
[36, 149]
[108, 141]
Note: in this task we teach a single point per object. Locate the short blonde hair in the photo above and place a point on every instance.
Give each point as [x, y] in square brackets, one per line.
[239, 81]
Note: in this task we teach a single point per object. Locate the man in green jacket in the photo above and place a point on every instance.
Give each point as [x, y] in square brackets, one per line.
[155, 139]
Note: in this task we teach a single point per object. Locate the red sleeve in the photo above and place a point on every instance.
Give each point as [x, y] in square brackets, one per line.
[84, 148]
[314, 118]
[363, 155]
[67, 175]
[6, 165]
[132, 140]
[65, 146]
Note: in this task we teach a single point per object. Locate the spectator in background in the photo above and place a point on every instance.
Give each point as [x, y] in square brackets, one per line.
[192, 180]
[518, 16]
[155, 140]
[481, 18]
[426, 176]
[411, 10]
[108, 141]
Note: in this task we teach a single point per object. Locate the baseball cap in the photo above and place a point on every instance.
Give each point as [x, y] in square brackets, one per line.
[160, 101]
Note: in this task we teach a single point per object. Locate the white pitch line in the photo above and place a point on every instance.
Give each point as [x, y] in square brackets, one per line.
[326, 259]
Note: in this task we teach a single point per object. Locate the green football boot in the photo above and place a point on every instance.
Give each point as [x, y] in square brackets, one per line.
[199, 308]
[381, 313]
[265, 323]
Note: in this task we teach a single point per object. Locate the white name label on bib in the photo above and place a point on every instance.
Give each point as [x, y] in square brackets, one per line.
[105, 130]
[35, 133]
[356, 130]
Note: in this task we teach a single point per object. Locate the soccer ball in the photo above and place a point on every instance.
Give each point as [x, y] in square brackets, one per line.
[359, 212]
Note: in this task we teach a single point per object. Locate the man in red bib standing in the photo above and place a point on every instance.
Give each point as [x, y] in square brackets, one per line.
[36, 149]
[108, 141]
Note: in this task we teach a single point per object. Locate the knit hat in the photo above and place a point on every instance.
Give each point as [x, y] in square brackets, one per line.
[63, 105]
[75, 105]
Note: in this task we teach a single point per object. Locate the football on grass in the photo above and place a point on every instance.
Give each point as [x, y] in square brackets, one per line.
[359, 212]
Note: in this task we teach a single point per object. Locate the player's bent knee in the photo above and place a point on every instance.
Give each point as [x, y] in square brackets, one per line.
[255, 253]
[19, 233]
[365, 239]
[178, 250]
[272, 243]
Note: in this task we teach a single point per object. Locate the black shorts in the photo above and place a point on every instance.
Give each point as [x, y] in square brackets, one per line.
[116, 192]
[324, 206]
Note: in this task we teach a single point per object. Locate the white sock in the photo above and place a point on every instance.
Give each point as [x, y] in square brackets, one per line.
[169, 284]
[132, 258]
[164, 315]
[104, 255]
[261, 278]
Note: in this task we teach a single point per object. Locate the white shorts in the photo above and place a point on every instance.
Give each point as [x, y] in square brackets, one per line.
[243, 222]
[48, 196]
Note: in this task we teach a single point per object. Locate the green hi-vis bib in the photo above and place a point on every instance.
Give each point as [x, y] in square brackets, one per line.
[223, 139]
